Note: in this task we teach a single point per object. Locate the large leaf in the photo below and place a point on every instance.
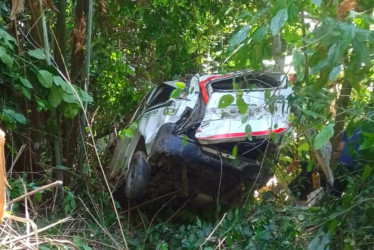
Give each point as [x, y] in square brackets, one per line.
[85, 97]
[335, 72]
[348, 34]
[55, 96]
[70, 110]
[243, 107]
[225, 101]
[70, 98]
[58, 81]
[239, 37]
[25, 82]
[278, 21]
[298, 59]
[259, 34]
[9, 41]
[5, 58]
[12, 116]
[324, 136]
[37, 53]
[45, 78]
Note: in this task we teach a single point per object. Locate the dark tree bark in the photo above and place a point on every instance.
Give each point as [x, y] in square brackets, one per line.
[341, 105]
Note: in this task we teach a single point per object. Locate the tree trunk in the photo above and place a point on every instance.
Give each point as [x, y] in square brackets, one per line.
[278, 53]
[60, 39]
[341, 106]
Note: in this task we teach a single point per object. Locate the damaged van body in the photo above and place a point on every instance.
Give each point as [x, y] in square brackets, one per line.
[200, 145]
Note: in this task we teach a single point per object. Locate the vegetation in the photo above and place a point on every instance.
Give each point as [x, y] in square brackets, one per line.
[69, 72]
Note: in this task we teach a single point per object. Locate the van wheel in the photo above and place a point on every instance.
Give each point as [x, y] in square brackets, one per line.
[138, 176]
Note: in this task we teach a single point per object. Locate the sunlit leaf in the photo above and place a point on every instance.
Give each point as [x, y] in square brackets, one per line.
[176, 93]
[225, 101]
[180, 85]
[278, 21]
[324, 136]
[335, 72]
[243, 107]
[235, 151]
[298, 59]
[259, 34]
[267, 94]
[239, 37]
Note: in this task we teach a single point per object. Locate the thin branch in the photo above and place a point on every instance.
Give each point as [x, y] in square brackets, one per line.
[38, 231]
[53, 184]
[214, 230]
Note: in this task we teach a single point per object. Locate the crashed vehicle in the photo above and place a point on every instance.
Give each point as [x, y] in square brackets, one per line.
[204, 144]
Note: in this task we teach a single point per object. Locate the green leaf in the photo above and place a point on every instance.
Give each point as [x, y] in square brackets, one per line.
[180, 85]
[134, 125]
[248, 131]
[366, 173]
[320, 65]
[245, 118]
[58, 81]
[335, 72]
[25, 82]
[225, 101]
[61, 167]
[309, 168]
[310, 113]
[298, 59]
[348, 34]
[8, 39]
[26, 92]
[69, 98]
[243, 107]
[5, 58]
[324, 136]
[239, 37]
[317, 2]
[70, 110]
[55, 96]
[176, 93]
[278, 21]
[129, 133]
[185, 140]
[38, 197]
[331, 54]
[235, 151]
[13, 116]
[259, 34]
[321, 241]
[84, 96]
[267, 94]
[45, 78]
[37, 53]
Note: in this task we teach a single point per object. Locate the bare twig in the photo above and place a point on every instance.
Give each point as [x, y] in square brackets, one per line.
[53, 184]
[214, 230]
[38, 231]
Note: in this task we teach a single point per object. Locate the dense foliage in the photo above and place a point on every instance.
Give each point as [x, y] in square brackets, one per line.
[44, 95]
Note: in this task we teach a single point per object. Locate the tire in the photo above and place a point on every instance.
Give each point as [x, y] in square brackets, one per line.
[138, 176]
